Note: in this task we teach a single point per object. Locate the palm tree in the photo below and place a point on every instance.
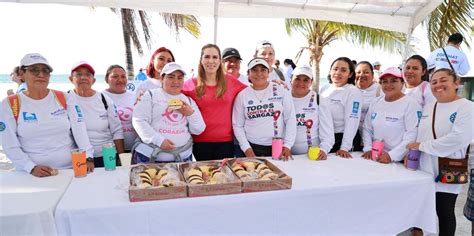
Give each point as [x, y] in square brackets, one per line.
[131, 32]
[450, 17]
[320, 33]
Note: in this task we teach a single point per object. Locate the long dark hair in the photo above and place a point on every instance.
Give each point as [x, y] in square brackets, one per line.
[350, 80]
[424, 66]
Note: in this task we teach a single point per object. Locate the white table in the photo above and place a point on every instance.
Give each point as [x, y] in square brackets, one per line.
[27, 203]
[336, 196]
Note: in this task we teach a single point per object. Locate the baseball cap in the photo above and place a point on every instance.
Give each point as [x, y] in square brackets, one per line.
[171, 67]
[34, 58]
[303, 70]
[258, 61]
[263, 44]
[377, 63]
[393, 71]
[231, 52]
[83, 64]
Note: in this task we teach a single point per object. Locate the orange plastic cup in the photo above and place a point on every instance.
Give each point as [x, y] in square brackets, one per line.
[79, 165]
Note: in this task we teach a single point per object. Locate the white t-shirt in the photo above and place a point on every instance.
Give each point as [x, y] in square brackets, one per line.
[103, 126]
[155, 122]
[321, 131]
[395, 123]
[421, 93]
[22, 87]
[125, 103]
[273, 76]
[345, 103]
[147, 85]
[43, 133]
[453, 127]
[457, 58]
[369, 95]
[252, 116]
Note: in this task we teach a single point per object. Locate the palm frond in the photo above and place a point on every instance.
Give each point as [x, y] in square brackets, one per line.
[179, 21]
[452, 16]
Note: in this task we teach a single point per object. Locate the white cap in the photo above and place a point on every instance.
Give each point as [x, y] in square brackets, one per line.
[34, 58]
[171, 67]
[258, 61]
[377, 63]
[303, 70]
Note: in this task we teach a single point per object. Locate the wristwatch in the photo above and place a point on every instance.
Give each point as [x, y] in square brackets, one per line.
[90, 159]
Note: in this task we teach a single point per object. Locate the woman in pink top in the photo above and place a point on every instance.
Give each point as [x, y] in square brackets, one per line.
[214, 93]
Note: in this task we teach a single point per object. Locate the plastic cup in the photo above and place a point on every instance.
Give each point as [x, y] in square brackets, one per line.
[377, 149]
[79, 165]
[413, 161]
[109, 155]
[126, 160]
[277, 148]
[313, 153]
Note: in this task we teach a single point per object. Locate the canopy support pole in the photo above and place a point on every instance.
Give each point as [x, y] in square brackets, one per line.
[216, 19]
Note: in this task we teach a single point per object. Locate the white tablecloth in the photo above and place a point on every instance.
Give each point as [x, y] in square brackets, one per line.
[27, 203]
[336, 196]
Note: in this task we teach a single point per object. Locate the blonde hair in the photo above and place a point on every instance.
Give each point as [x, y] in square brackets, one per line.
[201, 78]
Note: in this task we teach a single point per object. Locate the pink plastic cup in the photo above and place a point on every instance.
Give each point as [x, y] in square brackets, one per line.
[377, 149]
[277, 148]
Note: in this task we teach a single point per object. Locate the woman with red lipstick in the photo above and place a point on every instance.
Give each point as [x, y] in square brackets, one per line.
[124, 100]
[214, 93]
[345, 102]
[416, 76]
[445, 130]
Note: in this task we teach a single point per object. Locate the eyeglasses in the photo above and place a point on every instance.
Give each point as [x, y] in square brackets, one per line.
[37, 70]
[80, 75]
[389, 81]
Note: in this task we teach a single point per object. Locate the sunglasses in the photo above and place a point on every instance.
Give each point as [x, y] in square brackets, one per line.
[37, 70]
[80, 75]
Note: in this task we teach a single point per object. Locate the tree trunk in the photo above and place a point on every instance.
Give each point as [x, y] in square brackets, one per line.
[316, 53]
[128, 48]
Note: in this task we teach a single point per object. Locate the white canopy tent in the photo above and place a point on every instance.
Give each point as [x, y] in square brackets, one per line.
[394, 15]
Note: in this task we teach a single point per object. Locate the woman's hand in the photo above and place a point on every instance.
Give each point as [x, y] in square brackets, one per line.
[41, 171]
[367, 155]
[167, 145]
[186, 109]
[286, 154]
[322, 155]
[343, 154]
[90, 166]
[415, 146]
[249, 153]
[385, 158]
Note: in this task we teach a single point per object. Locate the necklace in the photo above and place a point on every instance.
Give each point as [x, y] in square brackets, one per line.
[260, 98]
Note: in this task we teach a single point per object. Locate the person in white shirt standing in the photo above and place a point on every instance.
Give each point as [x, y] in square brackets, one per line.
[392, 119]
[457, 58]
[266, 51]
[263, 111]
[158, 60]
[40, 127]
[445, 130]
[377, 70]
[345, 101]
[231, 58]
[313, 117]
[124, 100]
[100, 114]
[165, 124]
[415, 73]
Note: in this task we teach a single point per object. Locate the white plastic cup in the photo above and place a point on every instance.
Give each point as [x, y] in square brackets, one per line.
[126, 160]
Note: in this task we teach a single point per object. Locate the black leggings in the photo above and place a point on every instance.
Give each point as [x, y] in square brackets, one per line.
[205, 151]
[445, 204]
[356, 143]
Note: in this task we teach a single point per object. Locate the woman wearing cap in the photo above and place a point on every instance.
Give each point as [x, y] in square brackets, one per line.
[167, 118]
[370, 90]
[100, 114]
[392, 119]
[263, 111]
[214, 94]
[416, 76]
[124, 100]
[345, 103]
[313, 116]
[266, 51]
[452, 117]
[40, 127]
[159, 59]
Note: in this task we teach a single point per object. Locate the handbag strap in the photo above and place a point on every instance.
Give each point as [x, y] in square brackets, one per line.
[446, 55]
[434, 133]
